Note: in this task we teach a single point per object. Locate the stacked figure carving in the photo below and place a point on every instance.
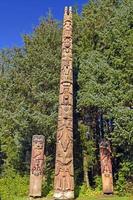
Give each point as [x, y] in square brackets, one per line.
[64, 174]
[37, 165]
[106, 167]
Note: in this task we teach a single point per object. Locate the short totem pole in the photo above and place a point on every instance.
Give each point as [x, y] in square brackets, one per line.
[64, 174]
[106, 167]
[37, 166]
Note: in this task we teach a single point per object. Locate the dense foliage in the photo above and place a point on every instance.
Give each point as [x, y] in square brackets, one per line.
[29, 97]
[29, 87]
[105, 76]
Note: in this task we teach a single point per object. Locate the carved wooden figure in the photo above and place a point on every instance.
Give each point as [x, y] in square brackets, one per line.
[37, 165]
[106, 167]
[64, 174]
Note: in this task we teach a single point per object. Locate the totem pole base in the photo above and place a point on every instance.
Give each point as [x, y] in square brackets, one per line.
[34, 198]
[35, 187]
[64, 195]
[107, 183]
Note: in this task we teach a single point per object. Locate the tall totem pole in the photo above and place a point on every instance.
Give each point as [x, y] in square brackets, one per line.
[64, 174]
[106, 167]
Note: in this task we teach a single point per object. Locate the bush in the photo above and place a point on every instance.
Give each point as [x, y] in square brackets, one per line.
[47, 189]
[13, 185]
[85, 191]
[121, 184]
[124, 183]
[98, 183]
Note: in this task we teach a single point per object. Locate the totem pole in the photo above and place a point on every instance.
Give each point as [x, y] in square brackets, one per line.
[64, 174]
[106, 167]
[37, 165]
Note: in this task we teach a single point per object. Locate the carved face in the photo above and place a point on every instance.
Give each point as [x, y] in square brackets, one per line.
[67, 42]
[68, 25]
[66, 90]
[65, 64]
[66, 99]
[38, 144]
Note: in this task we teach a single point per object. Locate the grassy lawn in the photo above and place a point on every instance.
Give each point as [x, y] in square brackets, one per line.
[106, 198]
[83, 198]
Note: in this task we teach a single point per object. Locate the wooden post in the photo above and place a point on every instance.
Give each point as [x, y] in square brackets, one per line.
[64, 174]
[37, 166]
[106, 167]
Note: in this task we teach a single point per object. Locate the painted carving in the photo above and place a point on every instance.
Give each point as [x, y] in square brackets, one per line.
[64, 175]
[106, 167]
[37, 165]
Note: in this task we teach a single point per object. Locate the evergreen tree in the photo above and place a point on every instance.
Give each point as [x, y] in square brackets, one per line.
[29, 95]
[103, 52]
[103, 86]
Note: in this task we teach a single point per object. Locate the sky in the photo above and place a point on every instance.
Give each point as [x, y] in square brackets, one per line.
[18, 17]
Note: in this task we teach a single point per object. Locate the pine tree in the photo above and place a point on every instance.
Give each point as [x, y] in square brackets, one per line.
[29, 95]
[104, 63]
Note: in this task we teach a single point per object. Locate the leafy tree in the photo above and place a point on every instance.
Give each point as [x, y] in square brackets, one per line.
[103, 83]
[29, 95]
[104, 63]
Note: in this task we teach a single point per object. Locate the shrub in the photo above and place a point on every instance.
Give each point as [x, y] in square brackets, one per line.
[13, 185]
[124, 183]
[85, 191]
[98, 182]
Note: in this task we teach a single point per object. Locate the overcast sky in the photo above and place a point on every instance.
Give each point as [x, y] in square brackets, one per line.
[20, 16]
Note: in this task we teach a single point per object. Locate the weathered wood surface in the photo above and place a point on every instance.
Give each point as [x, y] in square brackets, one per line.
[106, 167]
[37, 166]
[64, 174]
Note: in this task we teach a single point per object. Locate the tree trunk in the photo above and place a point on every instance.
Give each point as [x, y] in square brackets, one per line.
[86, 177]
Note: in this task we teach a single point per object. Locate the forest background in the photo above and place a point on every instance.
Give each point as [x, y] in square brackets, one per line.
[103, 90]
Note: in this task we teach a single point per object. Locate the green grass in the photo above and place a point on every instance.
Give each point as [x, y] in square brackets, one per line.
[106, 198]
[83, 198]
